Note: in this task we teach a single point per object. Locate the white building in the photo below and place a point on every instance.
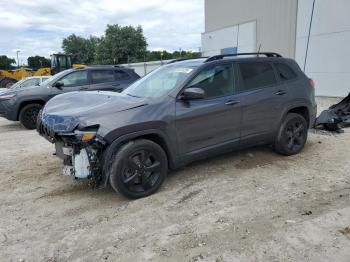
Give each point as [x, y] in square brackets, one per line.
[314, 32]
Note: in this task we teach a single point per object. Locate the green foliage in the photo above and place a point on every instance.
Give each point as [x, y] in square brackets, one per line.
[36, 62]
[6, 62]
[119, 45]
[165, 55]
[81, 49]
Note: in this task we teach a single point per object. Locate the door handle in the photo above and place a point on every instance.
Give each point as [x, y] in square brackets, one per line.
[116, 85]
[83, 88]
[232, 102]
[280, 93]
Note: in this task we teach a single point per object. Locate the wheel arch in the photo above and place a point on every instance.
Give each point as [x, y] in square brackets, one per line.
[303, 111]
[153, 135]
[300, 108]
[24, 103]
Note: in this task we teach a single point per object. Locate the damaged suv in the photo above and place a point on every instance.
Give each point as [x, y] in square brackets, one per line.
[179, 113]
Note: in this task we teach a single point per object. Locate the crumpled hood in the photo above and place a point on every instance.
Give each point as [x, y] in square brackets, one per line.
[65, 112]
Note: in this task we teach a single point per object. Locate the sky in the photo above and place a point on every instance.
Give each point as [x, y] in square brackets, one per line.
[37, 27]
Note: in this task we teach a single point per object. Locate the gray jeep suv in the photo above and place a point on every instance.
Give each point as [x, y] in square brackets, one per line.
[179, 113]
[24, 104]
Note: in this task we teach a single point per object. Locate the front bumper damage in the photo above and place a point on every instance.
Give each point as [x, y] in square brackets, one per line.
[80, 159]
[336, 117]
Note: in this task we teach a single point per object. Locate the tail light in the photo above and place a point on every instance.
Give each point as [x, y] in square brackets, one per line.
[311, 83]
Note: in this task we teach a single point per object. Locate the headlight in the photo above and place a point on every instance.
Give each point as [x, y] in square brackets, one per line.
[6, 97]
[85, 136]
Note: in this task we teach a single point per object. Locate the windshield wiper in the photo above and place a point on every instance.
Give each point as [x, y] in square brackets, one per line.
[133, 95]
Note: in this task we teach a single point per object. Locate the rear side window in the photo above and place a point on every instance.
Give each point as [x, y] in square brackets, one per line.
[102, 76]
[285, 72]
[256, 75]
[121, 75]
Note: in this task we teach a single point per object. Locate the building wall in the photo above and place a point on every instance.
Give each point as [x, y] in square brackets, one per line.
[233, 39]
[275, 21]
[329, 52]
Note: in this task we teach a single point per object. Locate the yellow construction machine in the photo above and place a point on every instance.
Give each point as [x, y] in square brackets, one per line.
[59, 62]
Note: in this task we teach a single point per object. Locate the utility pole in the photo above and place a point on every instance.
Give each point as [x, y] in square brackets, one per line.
[17, 58]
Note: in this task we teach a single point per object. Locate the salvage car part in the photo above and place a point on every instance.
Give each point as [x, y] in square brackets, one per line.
[336, 116]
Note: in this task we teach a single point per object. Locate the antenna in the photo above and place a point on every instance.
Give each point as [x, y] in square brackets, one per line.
[259, 49]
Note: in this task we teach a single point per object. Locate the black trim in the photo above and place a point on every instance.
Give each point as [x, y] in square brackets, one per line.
[218, 57]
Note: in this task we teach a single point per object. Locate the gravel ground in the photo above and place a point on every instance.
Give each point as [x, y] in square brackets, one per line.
[252, 205]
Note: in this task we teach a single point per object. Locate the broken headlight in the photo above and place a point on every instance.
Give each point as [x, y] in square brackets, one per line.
[85, 136]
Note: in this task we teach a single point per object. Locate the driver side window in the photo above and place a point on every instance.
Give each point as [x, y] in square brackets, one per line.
[216, 81]
[78, 78]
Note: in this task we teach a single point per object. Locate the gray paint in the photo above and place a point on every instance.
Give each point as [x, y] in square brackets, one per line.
[276, 21]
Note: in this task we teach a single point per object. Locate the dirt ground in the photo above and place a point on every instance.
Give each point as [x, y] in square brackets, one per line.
[252, 205]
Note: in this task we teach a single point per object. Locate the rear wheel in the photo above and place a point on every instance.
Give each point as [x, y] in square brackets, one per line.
[292, 135]
[138, 169]
[29, 114]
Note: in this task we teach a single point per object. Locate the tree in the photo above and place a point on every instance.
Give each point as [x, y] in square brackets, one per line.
[36, 62]
[81, 49]
[6, 62]
[121, 45]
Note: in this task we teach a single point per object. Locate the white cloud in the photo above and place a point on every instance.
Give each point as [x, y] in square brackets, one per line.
[38, 26]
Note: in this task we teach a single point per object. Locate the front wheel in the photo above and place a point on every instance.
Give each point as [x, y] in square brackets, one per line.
[29, 114]
[292, 135]
[138, 169]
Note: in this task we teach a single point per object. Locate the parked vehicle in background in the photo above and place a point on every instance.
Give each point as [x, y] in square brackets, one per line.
[27, 81]
[24, 104]
[179, 113]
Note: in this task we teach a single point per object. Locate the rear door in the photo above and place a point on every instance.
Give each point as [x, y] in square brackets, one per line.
[109, 79]
[263, 98]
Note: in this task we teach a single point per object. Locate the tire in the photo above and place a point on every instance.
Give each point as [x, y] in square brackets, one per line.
[7, 82]
[138, 169]
[29, 114]
[292, 135]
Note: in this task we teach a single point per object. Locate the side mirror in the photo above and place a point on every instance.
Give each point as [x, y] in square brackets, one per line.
[58, 85]
[192, 93]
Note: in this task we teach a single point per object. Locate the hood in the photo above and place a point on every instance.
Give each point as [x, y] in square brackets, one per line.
[65, 112]
[3, 90]
[19, 90]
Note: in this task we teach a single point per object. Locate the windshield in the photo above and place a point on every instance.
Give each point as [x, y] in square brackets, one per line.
[17, 84]
[159, 82]
[54, 78]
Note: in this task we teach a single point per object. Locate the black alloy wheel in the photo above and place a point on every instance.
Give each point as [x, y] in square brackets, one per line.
[292, 135]
[29, 114]
[141, 171]
[139, 168]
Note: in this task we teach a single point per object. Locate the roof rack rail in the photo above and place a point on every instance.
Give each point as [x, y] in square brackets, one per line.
[177, 60]
[182, 59]
[267, 54]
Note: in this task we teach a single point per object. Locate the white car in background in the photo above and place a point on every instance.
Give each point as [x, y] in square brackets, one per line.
[27, 81]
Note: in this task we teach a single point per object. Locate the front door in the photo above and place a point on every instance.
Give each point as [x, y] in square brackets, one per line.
[214, 120]
[75, 81]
